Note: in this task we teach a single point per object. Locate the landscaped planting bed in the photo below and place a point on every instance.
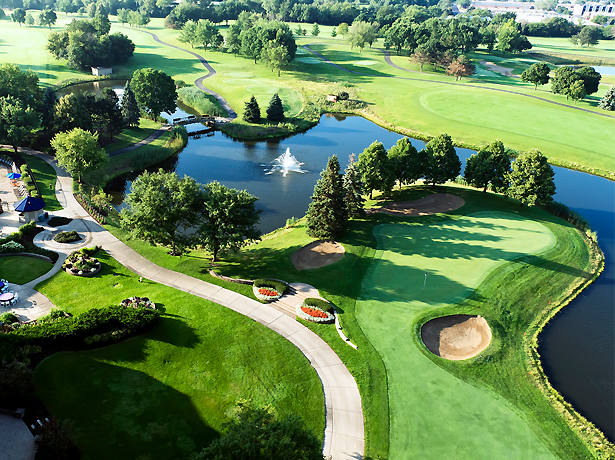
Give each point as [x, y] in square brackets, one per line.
[316, 311]
[81, 263]
[138, 302]
[67, 237]
[269, 290]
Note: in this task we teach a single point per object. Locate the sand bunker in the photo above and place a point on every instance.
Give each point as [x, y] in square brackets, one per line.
[506, 71]
[317, 254]
[432, 204]
[456, 337]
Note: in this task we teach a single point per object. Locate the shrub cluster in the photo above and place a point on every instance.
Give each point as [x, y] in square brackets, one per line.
[318, 303]
[73, 330]
[91, 210]
[11, 246]
[21, 236]
[23, 231]
[58, 221]
[564, 212]
[67, 237]
[9, 318]
[279, 286]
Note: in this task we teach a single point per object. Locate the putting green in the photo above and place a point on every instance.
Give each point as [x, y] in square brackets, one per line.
[432, 412]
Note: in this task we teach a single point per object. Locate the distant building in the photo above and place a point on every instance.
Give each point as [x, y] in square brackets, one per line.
[591, 9]
[503, 7]
[99, 71]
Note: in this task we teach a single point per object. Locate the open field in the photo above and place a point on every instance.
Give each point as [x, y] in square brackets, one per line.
[22, 269]
[604, 50]
[169, 391]
[429, 103]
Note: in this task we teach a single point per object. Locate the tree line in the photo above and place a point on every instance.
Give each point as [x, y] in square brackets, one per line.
[338, 197]
[86, 44]
[574, 83]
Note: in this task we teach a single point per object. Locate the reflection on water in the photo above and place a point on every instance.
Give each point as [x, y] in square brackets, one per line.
[577, 347]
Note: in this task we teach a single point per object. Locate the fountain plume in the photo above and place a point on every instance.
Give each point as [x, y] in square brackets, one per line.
[284, 163]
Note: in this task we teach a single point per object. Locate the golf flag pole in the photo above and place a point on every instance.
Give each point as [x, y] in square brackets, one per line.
[425, 282]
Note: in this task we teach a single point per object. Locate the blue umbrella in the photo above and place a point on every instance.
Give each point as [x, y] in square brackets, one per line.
[29, 204]
[13, 175]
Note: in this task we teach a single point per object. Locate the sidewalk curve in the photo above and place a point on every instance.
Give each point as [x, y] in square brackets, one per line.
[344, 430]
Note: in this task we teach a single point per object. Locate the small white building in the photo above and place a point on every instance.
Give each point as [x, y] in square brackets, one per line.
[100, 71]
[591, 9]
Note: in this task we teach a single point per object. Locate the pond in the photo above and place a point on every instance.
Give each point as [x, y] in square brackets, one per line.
[577, 345]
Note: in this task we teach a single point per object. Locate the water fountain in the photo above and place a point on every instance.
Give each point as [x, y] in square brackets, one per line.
[284, 163]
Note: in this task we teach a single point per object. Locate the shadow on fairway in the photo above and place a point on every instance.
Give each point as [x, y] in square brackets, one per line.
[120, 413]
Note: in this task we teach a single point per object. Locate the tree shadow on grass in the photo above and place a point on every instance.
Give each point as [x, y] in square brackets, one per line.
[118, 412]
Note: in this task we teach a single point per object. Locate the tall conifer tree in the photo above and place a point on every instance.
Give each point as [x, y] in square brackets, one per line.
[327, 216]
[252, 112]
[353, 188]
[275, 111]
[130, 109]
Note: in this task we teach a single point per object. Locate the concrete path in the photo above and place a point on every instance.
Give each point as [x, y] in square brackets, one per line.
[16, 440]
[344, 430]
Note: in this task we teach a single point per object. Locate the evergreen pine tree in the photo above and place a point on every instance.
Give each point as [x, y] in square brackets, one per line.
[252, 112]
[353, 189]
[130, 109]
[608, 100]
[275, 111]
[327, 216]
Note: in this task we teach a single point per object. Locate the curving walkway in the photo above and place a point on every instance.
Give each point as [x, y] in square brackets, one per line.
[387, 58]
[199, 81]
[344, 430]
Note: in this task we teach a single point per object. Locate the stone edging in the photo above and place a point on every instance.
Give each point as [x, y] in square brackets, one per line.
[28, 254]
[231, 280]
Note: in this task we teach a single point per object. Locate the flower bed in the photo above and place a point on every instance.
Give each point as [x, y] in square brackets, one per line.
[267, 294]
[138, 302]
[313, 313]
[79, 264]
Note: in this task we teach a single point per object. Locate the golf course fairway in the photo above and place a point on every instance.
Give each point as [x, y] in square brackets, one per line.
[433, 413]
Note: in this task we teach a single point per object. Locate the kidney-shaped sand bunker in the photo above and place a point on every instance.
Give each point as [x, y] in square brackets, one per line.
[456, 337]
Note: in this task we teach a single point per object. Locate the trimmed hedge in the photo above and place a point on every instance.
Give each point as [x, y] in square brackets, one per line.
[73, 331]
[279, 286]
[318, 303]
[67, 237]
[9, 318]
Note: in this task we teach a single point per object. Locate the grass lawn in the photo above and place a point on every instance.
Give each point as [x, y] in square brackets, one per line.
[168, 392]
[45, 177]
[130, 136]
[429, 103]
[22, 269]
[560, 46]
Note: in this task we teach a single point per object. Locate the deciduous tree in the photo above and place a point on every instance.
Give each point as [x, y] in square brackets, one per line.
[488, 167]
[161, 207]
[327, 216]
[47, 18]
[442, 162]
[275, 56]
[342, 29]
[78, 152]
[227, 219]
[154, 91]
[531, 179]
[577, 91]
[19, 16]
[16, 121]
[256, 433]
[537, 73]
[405, 162]
[461, 67]
[374, 167]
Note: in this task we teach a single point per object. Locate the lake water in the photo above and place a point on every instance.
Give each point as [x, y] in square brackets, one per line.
[577, 347]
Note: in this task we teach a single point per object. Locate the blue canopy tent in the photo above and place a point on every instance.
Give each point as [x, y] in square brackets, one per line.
[30, 207]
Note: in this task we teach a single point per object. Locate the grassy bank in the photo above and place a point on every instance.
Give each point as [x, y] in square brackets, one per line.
[130, 136]
[168, 392]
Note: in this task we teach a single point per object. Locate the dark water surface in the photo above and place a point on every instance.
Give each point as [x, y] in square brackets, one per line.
[577, 346]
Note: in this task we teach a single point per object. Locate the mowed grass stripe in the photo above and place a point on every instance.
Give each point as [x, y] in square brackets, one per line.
[168, 392]
[432, 412]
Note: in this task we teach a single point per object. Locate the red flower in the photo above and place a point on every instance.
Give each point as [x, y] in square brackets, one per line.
[314, 313]
[267, 292]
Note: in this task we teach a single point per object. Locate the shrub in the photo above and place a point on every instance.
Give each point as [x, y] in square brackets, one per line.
[343, 96]
[279, 286]
[318, 303]
[54, 315]
[71, 331]
[59, 221]
[9, 318]
[200, 101]
[89, 252]
[564, 212]
[67, 237]
[11, 246]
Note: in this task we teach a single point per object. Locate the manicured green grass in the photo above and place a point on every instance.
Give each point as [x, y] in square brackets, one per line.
[22, 269]
[46, 178]
[168, 392]
[418, 103]
[562, 46]
[130, 136]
